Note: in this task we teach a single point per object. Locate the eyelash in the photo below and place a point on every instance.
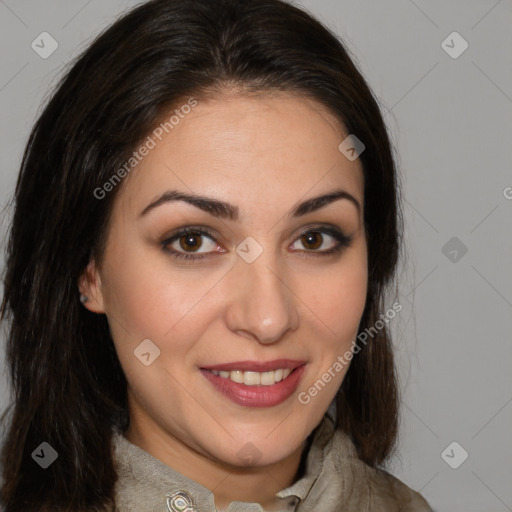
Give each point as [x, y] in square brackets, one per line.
[342, 239]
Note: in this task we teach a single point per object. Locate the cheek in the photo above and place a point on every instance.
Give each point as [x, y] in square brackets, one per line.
[337, 308]
[147, 295]
[339, 300]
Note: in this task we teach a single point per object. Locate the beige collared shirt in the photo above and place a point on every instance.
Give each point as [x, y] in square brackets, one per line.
[335, 480]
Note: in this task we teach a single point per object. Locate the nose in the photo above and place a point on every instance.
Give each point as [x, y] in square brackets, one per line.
[262, 305]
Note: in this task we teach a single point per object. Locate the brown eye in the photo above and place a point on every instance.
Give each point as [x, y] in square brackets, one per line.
[191, 242]
[322, 242]
[312, 240]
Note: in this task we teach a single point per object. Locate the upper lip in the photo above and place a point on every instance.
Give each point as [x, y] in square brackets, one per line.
[256, 366]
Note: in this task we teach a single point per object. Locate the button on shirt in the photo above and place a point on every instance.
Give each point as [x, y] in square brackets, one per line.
[335, 479]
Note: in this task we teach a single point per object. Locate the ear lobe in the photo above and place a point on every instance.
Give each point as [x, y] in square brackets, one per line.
[89, 285]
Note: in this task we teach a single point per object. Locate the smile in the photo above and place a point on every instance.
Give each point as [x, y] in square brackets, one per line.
[256, 384]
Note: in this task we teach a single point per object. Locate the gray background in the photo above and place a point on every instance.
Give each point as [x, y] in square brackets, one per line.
[451, 119]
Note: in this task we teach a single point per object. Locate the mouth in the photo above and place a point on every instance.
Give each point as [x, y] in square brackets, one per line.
[255, 383]
[255, 378]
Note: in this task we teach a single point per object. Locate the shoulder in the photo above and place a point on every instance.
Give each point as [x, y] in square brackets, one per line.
[358, 486]
[370, 488]
[388, 493]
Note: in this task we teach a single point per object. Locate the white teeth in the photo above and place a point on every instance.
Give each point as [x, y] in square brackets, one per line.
[255, 378]
[267, 379]
[252, 378]
[237, 376]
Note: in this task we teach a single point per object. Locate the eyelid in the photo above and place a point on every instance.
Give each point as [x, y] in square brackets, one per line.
[175, 233]
[325, 227]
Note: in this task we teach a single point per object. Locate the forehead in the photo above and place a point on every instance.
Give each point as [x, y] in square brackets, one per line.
[243, 149]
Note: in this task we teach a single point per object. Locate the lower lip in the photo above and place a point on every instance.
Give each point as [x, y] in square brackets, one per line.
[257, 396]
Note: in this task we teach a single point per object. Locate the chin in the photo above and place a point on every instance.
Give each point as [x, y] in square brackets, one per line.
[260, 452]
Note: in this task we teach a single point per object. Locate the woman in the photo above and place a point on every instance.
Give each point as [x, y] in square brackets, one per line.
[206, 221]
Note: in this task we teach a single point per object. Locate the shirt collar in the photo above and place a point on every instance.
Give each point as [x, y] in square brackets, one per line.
[147, 483]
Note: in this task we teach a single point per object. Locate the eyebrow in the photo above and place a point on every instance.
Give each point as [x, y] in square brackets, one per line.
[228, 211]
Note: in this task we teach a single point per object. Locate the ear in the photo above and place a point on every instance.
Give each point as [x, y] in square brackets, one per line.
[89, 284]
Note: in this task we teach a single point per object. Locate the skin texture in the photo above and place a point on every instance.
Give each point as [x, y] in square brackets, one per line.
[264, 153]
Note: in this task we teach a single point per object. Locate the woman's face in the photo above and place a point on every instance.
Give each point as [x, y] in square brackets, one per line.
[270, 280]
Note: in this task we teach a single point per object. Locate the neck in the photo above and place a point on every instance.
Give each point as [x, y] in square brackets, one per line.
[228, 483]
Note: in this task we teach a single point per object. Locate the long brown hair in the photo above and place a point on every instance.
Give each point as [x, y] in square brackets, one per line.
[68, 388]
